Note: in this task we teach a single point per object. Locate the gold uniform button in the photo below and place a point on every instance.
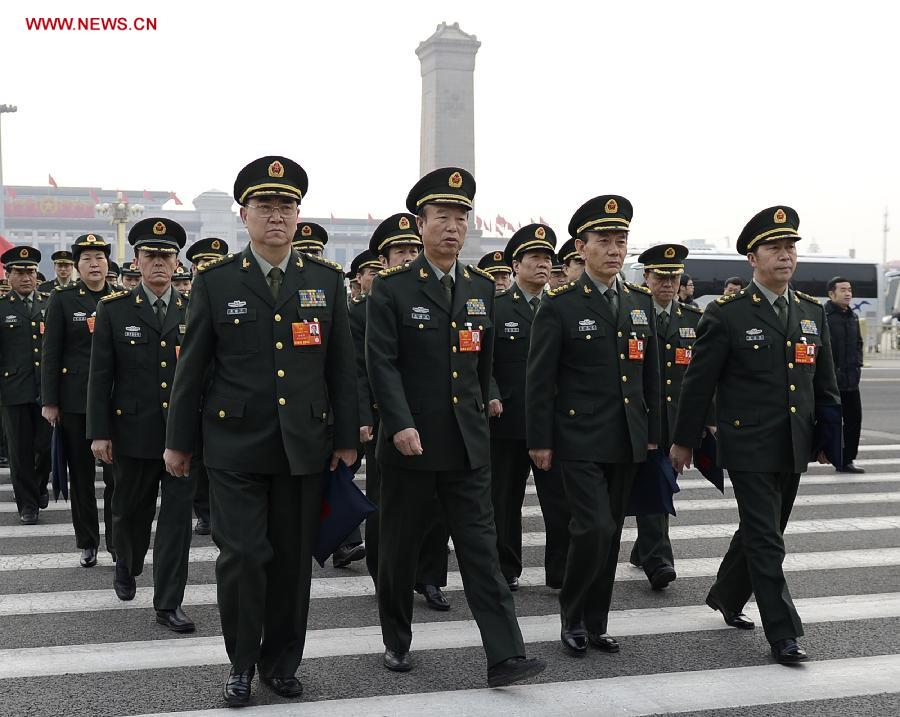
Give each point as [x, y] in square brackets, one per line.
[571, 411]
[622, 357]
[281, 402]
[37, 363]
[37, 350]
[131, 342]
[34, 323]
[454, 349]
[164, 385]
[118, 411]
[65, 370]
[790, 365]
[221, 414]
[455, 400]
[668, 364]
[480, 327]
[756, 347]
[737, 424]
[237, 321]
[668, 346]
[279, 345]
[163, 364]
[788, 343]
[165, 405]
[624, 379]
[668, 382]
[626, 400]
[793, 387]
[452, 324]
[669, 399]
[620, 334]
[162, 343]
[280, 373]
[588, 337]
[512, 338]
[277, 317]
[34, 336]
[793, 409]
[421, 326]
[455, 374]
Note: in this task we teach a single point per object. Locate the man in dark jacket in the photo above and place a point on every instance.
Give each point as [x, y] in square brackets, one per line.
[847, 349]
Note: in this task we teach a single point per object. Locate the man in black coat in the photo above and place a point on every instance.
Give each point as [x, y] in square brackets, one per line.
[21, 334]
[66, 361]
[429, 345]
[847, 349]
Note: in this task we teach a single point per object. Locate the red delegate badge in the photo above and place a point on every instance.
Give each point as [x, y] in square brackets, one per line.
[470, 340]
[307, 333]
[805, 353]
[636, 349]
[683, 356]
[90, 323]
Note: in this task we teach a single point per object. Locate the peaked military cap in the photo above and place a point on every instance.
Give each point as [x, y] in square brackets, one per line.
[181, 274]
[113, 270]
[129, 268]
[41, 278]
[271, 176]
[23, 257]
[206, 250]
[397, 230]
[309, 237]
[665, 259]
[529, 238]
[772, 224]
[608, 212]
[4, 285]
[567, 251]
[89, 242]
[157, 234]
[447, 185]
[367, 259]
[62, 257]
[494, 263]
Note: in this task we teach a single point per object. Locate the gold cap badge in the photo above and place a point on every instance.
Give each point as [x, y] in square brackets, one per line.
[540, 233]
[612, 206]
[404, 223]
[276, 169]
[498, 256]
[455, 180]
[23, 253]
[90, 239]
[780, 217]
[159, 228]
[215, 244]
[306, 231]
[669, 253]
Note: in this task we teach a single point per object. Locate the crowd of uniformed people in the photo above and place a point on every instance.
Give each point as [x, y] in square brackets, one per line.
[224, 389]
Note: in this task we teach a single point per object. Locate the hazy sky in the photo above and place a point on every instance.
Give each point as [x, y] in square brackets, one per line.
[701, 113]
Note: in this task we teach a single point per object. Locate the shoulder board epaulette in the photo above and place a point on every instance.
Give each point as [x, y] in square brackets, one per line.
[726, 298]
[637, 287]
[481, 272]
[359, 299]
[561, 289]
[809, 298]
[324, 262]
[115, 295]
[69, 287]
[43, 295]
[395, 269]
[691, 307]
[217, 262]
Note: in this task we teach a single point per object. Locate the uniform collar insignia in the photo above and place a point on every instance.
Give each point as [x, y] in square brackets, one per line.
[516, 295]
[422, 273]
[138, 299]
[587, 289]
[465, 273]
[245, 264]
[756, 298]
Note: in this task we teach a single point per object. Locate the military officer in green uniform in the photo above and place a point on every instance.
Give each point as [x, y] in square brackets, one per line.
[181, 280]
[493, 264]
[310, 238]
[530, 252]
[131, 275]
[63, 265]
[429, 347]
[765, 353]
[676, 331]
[137, 335]
[273, 325]
[571, 260]
[21, 334]
[557, 273]
[112, 276]
[592, 407]
[65, 362]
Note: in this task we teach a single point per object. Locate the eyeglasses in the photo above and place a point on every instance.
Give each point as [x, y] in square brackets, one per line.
[267, 210]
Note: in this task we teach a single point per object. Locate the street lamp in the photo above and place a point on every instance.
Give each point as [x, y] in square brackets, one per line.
[3, 110]
[118, 214]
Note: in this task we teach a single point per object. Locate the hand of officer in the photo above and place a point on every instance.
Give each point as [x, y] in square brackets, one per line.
[408, 442]
[495, 408]
[366, 434]
[652, 446]
[51, 414]
[542, 457]
[102, 449]
[178, 463]
[681, 457]
[348, 455]
[823, 459]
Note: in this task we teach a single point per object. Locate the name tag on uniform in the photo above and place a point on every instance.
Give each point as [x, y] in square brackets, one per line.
[638, 317]
[307, 333]
[587, 325]
[636, 349]
[683, 356]
[754, 335]
[79, 316]
[805, 353]
[420, 313]
[133, 332]
[475, 307]
[808, 326]
[311, 297]
[90, 323]
[687, 332]
[236, 308]
[11, 319]
[470, 340]
[511, 327]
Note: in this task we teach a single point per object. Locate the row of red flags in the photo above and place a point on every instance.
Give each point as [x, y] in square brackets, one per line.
[11, 193]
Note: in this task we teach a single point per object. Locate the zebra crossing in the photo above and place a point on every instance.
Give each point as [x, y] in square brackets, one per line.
[69, 647]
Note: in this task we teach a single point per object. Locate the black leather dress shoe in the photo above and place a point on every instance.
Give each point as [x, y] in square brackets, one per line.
[602, 641]
[237, 687]
[43, 500]
[397, 661]
[289, 687]
[662, 576]
[113, 556]
[347, 554]
[574, 639]
[850, 468]
[434, 598]
[732, 619]
[123, 583]
[513, 583]
[88, 557]
[515, 669]
[788, 652]
[202, 527]
[29, 517]
[175, 620]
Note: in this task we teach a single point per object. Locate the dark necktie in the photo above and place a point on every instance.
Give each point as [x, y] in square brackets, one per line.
[160, 311]
[662, 323]
[534, 303]
[781, 308]
[275, 276]
[613, 300]
[27, 301]
[447, 283]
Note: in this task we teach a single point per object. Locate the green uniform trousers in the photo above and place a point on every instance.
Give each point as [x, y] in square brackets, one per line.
[652, 549]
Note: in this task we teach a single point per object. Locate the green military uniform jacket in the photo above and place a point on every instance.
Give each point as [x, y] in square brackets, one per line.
[268, 398]
[66, 354]
[766, 399]
[21, 336]
[48, 287]
[366, 399]
[132, 368]
[513, 318]
[421, 374]
[592, 383]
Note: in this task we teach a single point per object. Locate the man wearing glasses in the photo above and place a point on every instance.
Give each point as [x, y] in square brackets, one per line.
[273, 325]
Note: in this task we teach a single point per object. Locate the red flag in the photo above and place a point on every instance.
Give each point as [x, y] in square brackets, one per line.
[174, 196]
[332, 216]
[95, 198]
[371, 218]
[11, 192]
[124, 197]
[500, 222]
[51, 181]
[147, 195]
[544, 221]
[478, 223]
